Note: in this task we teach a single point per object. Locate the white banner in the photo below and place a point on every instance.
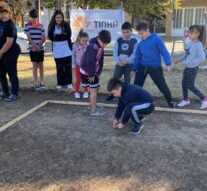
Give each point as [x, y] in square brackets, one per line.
[93, 21]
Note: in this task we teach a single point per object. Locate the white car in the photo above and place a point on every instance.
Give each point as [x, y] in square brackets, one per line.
[22, 40]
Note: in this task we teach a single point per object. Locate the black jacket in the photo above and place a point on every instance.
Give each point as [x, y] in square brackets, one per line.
[131, 94]
[90, 58]
[61, 37]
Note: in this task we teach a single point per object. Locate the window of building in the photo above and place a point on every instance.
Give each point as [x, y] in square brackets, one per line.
[188, 16]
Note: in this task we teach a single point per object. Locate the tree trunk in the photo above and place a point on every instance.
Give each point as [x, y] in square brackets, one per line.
[135, 20]
[22, 19]
[14, 17]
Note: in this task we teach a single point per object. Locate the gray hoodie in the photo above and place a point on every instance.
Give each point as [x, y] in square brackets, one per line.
[195, 55]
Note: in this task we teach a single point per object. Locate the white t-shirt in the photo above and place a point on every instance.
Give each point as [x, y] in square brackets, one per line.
[61, 49]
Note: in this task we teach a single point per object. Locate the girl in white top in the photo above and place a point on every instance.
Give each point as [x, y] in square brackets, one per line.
[59, 32]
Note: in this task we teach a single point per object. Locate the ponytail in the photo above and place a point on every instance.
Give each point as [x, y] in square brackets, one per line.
[81, 34]
[202, 36]
[201, 29]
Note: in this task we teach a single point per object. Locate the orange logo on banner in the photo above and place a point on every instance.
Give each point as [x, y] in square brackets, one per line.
[80, 22]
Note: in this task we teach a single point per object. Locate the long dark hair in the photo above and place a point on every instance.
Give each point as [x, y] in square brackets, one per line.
[53, 22]
[202, 32]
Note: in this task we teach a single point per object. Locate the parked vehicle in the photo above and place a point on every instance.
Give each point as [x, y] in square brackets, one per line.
[22, 40]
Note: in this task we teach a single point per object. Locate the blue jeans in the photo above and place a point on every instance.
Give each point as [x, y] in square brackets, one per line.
[8, 65]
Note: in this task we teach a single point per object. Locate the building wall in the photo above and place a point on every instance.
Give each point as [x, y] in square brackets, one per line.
[184, 4]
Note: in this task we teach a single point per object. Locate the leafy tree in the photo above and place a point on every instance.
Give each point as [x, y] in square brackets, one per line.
[50, 4]
[19, 8]
[148, 9]
[102, 4]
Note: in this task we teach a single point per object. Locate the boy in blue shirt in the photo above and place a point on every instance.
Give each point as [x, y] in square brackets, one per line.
[134, 102]
[148, 61]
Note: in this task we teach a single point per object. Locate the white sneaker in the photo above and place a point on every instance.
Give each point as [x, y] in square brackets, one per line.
[184, 103]
[97, 113]
[70, 86]
[85, 95]
[203, 104]
[59, 87]
[77, 95]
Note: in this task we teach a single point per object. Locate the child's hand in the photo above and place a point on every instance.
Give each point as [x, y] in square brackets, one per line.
[34, 49]
[91, 79]
[168, 68]
[124, 63]
[133, 74]
[37, 48]
[120, 126]
[115, 123]
[176, 61]
[120, 64]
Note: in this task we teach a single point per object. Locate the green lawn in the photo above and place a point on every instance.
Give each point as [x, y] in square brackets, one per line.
[174, 79]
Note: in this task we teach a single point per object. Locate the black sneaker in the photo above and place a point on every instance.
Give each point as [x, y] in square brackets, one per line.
[141, 118]
[110, 98]
[3, 95]
[137, 128]
[11, 98]
[41, 86]
[172, 105]
[37, 86]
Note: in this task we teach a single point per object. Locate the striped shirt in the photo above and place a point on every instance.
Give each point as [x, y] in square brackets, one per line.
[36, 32]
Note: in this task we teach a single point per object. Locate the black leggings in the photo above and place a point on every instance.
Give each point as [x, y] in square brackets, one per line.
[64, 70]
[158, 78]
[188, 83]
[8, 65]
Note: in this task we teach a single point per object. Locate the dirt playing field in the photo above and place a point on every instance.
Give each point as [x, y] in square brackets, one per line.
[62, 148]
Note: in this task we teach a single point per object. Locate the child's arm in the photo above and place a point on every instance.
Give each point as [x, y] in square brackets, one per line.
[90, 61]
[43, 37]
[35, 47]
[163, 51]
[125, 117]
[115, 54]
[68, 33]
[101, 63]
[137, 59]
[180, 59]
[130, 59]
[201, 57]
[26, 31]
[119, 110]
[51, 34]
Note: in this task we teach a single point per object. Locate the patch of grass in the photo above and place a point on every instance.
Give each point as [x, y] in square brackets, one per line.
[173, 80]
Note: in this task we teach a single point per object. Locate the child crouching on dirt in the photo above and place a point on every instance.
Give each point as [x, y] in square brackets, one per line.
[195, 55]
[92, 65]
[134, 102]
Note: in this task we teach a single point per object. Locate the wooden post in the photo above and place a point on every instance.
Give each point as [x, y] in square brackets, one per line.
[37, 7]
[58, 4]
